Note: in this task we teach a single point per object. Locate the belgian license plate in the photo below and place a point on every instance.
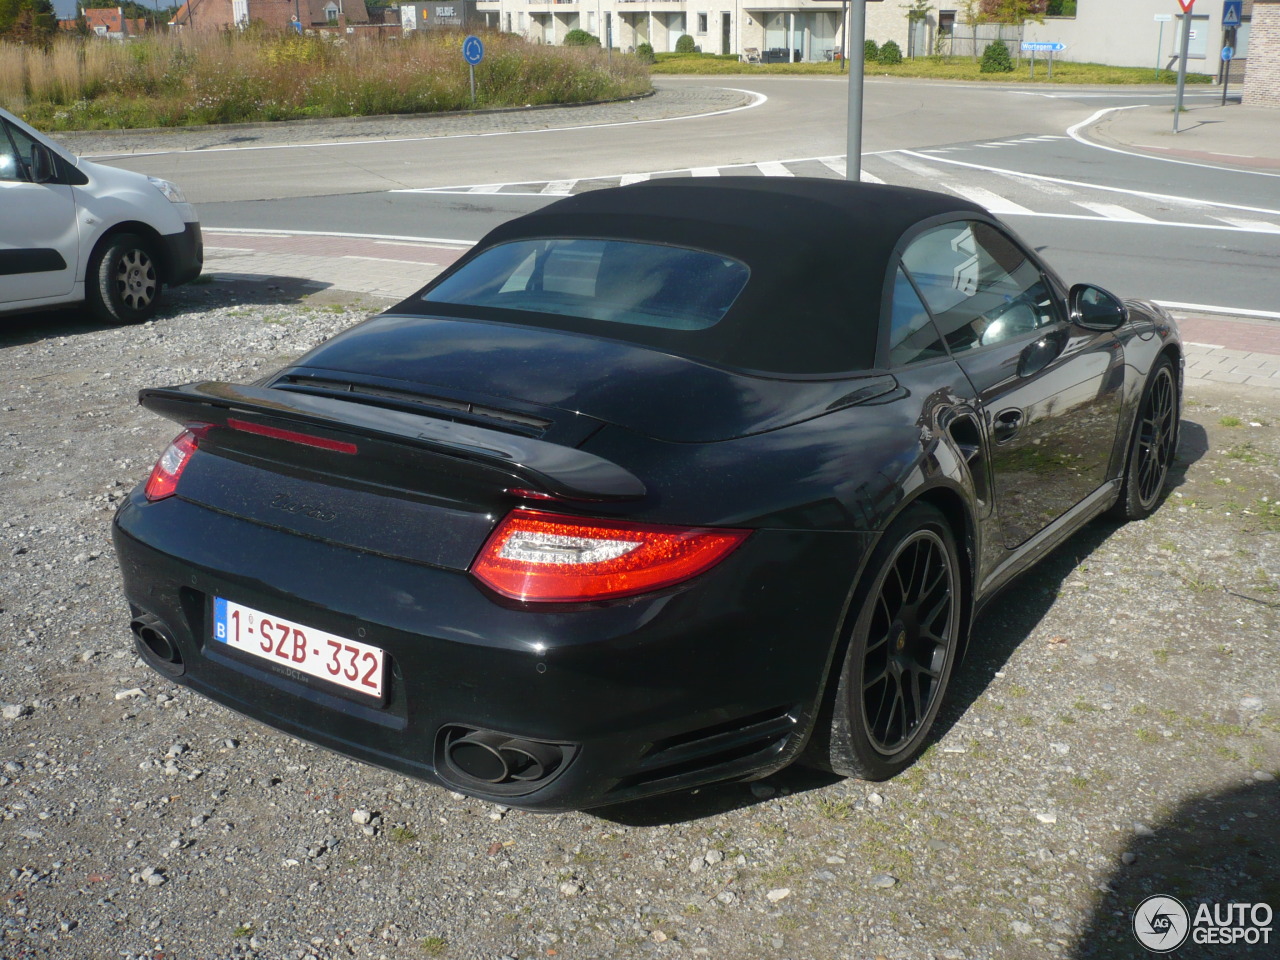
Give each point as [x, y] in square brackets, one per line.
[350, 664]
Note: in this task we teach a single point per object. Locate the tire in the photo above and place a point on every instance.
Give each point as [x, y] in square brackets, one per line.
[124, 281]
[1151, 450]
[901, 651]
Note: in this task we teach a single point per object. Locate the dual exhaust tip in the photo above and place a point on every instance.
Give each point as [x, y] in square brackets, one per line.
[482, 756]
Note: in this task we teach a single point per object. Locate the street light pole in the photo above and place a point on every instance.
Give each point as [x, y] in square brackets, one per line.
[857, 38]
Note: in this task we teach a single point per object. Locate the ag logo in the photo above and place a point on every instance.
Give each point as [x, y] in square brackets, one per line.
[1161, 924]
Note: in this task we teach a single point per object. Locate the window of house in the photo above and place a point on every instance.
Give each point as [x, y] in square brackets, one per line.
[702, 23]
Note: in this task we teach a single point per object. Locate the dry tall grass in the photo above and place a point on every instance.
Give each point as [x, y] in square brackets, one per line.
[174, 80]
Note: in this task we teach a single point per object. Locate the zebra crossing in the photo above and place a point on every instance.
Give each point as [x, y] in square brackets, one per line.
[1004, 192]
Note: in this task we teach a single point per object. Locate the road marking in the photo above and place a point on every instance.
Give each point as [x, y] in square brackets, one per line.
[487, 188]
[1253, 226]
[705, 171]
[869, 177]
[1114, 211]
[1076, 135]
[841, 167]
[632, 178]
[267, 232]
[774, 168]
[1092, 186]
[758, 99]
[992, 201]
[559, 188]
[1231, 311]
[919, 169]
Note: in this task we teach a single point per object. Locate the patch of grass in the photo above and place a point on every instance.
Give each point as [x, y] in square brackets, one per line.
[839, 808]
[1230, 422]
[934, 68]
[1161, 655]
[1018, 690]
[1085, 706]
[403, 835]
[1246, 453]
[1146, 736]
[260, 76]
[433, 946]
[1267, 514]
[242, 931]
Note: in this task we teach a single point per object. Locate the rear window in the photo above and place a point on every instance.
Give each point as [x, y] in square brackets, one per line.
[615, 281]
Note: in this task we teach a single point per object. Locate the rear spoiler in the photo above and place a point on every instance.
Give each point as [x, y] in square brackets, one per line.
[563, 471]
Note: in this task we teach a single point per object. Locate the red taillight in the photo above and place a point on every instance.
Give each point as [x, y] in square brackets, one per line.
[548, 557]
[163, 481]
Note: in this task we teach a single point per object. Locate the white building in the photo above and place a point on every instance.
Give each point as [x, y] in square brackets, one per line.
[1101, 31]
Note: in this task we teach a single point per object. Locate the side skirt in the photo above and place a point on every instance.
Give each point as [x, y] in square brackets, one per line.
[1047, 539]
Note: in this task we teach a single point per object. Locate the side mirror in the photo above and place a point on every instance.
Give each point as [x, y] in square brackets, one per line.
[1095, 309]
[43, 167]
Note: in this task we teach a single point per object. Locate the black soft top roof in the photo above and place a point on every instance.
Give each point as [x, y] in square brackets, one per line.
[819, 251]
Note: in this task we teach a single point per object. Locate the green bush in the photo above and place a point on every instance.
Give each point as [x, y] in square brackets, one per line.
[890, 52]
[686, 45]
[870, 51]
[580, 38]
[996, 59]
[644, 53]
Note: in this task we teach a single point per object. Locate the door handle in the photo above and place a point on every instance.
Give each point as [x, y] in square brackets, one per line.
[1007, 423]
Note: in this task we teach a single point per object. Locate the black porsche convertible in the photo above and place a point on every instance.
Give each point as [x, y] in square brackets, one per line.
[661, 485]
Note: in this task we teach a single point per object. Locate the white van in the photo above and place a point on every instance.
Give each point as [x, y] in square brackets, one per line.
[72, 231]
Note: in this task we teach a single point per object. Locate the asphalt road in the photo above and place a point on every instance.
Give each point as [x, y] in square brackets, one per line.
[1180, 233]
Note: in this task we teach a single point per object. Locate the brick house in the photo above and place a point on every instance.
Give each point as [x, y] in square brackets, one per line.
[110, 22]
[278, 14]
[1262, 82]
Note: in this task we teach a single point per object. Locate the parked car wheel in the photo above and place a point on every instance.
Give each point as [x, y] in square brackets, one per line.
[1155, 439]
[901, 651]
[124, 282]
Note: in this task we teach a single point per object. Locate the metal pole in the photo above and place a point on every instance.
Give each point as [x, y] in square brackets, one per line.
[1159, 50]
[857, 37]
[1182, 69]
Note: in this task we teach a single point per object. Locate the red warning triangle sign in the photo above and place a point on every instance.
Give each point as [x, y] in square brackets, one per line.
[1186, 5]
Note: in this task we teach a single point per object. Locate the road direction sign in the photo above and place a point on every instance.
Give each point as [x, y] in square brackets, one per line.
[473, 50]
[1232, 12]
[1164, 18]
[1040, 46]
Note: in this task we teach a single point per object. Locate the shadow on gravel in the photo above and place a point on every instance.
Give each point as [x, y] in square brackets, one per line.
[997, 633]
[1217, 849]
[23, 328]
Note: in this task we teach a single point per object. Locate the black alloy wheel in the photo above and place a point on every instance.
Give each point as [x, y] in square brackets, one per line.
[902, 650]
[1155, 439]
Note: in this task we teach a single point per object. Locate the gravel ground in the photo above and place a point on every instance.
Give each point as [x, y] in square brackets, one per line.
[1116, 734]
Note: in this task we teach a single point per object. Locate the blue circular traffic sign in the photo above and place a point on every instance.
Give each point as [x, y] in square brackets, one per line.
[472, 50]
[1228, 53]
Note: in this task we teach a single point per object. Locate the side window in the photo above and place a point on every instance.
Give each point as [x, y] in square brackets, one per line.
[12, 164]
[981, 286]
[912, 335]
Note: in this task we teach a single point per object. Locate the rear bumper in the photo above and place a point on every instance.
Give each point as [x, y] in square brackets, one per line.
[183, 253]
[716, 681]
